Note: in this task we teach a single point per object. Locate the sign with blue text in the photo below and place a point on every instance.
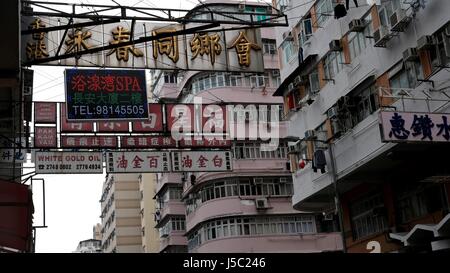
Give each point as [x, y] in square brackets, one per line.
[99, 94]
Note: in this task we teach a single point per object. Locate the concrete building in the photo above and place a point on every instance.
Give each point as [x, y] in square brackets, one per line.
[127, 214]
[338, 73]
[150, 235]
[121, 219]
[248, 209]
[97, 232]
[89, 246]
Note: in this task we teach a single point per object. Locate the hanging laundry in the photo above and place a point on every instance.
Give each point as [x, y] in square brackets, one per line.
[339, 11]
[319, 161]
[347, 3]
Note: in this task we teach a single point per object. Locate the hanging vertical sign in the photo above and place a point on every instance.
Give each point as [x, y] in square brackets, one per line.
[45, 112]
[45, 137]
[99, 94]
[137, 162]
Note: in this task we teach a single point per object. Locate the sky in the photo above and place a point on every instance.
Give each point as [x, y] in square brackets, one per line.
[71, 201]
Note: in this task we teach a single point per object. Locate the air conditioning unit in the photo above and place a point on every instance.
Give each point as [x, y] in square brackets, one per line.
[261, 203]
[410, 55]
[381, 36]
[257, 180]
[399, 20]
[298, 81]
[425, 42]
[357, 25]
[332, 113]
[287, 35]
[310, 134]
[283, 180]
[275, 73]
[328, 217]
[335, 45]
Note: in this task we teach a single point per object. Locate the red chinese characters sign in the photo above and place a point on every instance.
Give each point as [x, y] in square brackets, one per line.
[201, 161]
[147, 142]
[137, 162]
[154, 123]
[45, 112]
[45, 137]
[205, 142]
[74, 126]
[93, 142]
[112, 126]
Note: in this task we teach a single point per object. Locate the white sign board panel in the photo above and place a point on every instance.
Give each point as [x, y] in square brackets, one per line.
[201, 161]
[69, 162]
[137, 162]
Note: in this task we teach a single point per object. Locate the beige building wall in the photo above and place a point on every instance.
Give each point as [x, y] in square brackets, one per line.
[150, 235]
[97, 232]
[123, 232]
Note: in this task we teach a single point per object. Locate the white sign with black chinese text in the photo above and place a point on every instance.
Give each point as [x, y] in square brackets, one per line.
[137, 162]
[201, 161]
[418, 127]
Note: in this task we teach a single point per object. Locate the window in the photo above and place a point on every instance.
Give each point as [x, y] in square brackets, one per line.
[173, 224]
[386, 10]
[414, 201]
[440, 54]
[406, 77]
[170, 77]
[250, 226]
[358, 41]
[366, 103]
[288, 50]
[257, 81]
[276, 81]
[269, 46]
[368, 216]
[333, 63]
[324, 11]
[253, 151]
[314, 84]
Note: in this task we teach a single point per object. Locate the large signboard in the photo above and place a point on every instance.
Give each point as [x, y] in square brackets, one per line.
[69, 163]
[100, 94]
[215, 50]
[137, 162]
[201, 161]
[414, 127]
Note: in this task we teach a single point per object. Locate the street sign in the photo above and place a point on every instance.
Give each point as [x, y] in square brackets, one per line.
[201, 161]
[99, 94]
[69, 163]
[137, 162]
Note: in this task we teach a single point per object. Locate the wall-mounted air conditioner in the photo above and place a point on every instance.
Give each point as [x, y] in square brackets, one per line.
[275, 73]
[357, 25]
[335, 45]
[425, 42]
[310, 134]
[410, 55]
[261, 203]
[399, 20]
[332, 113]
[381, 36]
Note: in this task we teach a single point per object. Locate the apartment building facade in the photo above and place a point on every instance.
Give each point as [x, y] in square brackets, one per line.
[342, 70]
[248, 209]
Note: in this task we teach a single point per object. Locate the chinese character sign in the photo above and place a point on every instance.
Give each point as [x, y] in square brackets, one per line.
[421, 127]
[201, 161]
[213, 50]
[137, 162]
[106, 94]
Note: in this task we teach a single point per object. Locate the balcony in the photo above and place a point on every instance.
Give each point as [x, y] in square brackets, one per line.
[173, 238]
[298, 243]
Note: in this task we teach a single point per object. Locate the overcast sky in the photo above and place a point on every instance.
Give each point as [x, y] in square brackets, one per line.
[72, 201]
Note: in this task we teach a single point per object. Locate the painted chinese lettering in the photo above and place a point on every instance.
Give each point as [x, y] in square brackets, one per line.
[37, 49]
[243, 47]
[444, 128]
[422, 126]
[217, 161]
[398, 129]
[202, 161]
[187, 162]
[206, 44]
[122, 35]
[166, 45]
[122, 162]
[137, 162]
[76, 41]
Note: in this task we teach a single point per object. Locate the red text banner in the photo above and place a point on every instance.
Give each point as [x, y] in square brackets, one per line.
[137, 162]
